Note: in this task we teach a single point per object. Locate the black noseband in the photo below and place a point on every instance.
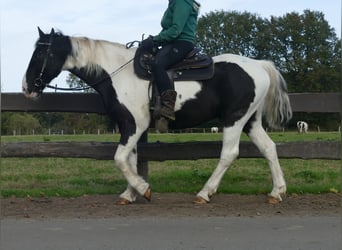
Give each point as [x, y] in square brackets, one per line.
[39, 84]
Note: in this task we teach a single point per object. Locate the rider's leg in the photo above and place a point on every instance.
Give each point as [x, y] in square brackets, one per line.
[167, 56]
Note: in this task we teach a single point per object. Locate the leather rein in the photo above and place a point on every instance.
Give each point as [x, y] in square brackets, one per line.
[39, 83]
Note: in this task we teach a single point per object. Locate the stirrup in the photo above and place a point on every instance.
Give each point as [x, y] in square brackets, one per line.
[162, 124]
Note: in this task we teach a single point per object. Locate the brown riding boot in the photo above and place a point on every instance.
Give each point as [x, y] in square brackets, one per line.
[168, 100]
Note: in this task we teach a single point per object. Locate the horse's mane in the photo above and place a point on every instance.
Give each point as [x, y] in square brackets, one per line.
[85, 50]
[91, 44]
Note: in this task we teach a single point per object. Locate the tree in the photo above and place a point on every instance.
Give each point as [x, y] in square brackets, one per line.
[85, 122]
[303, 46]
[307, 51]
[49, 119]
[231, 32]
[22, 123]
[75, 82]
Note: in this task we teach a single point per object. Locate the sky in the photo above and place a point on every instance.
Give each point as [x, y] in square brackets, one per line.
[114, 20]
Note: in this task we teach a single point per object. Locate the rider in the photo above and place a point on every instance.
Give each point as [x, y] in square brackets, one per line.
[176, 39]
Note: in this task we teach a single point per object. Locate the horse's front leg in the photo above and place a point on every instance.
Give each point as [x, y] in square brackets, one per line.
[130, 195]
[127, 165]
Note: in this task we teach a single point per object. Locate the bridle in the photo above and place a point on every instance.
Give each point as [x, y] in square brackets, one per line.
[40, 85]
[38, 82]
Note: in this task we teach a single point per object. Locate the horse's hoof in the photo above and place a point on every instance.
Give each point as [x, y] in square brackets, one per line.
[148, 194]
[273, 200]
[200, 200]
[123, 202]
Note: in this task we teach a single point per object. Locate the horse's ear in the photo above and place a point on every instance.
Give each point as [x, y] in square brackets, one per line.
[41, 33]
[52, 31]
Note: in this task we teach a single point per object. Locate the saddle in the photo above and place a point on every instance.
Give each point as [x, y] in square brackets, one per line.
[194, 67]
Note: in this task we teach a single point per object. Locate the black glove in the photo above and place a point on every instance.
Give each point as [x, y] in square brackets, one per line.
[148, 44]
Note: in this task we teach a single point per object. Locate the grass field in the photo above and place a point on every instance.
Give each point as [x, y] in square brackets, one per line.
[183, 137]
[75, 177]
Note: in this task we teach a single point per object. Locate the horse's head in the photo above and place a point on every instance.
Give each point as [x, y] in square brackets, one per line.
[46, 62]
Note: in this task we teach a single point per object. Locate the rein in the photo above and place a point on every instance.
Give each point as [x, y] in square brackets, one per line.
[39, 81]
[95, 84]
[67, 89]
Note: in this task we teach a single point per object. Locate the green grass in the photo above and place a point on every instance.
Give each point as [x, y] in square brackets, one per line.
[70, 177]
[183, 137]
[75, 177]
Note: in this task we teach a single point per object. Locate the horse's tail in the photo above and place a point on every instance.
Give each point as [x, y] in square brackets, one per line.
[277, 108]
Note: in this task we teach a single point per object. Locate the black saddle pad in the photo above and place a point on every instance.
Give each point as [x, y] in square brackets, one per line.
[194, 67]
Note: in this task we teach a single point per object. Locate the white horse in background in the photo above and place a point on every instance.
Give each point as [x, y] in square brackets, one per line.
[214, 130]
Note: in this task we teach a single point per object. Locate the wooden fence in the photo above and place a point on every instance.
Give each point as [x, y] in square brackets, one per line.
[91, 103]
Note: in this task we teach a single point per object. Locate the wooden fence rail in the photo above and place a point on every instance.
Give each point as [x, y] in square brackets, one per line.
[91, 103]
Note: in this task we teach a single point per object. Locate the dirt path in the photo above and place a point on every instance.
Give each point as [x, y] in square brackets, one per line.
[170, 205]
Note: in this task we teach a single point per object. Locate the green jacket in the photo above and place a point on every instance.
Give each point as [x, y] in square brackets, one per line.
[179, 22]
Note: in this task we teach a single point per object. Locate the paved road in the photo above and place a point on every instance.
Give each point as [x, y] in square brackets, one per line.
[297, 233]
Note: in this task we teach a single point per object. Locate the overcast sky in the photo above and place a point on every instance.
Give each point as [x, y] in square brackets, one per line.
[115, 20]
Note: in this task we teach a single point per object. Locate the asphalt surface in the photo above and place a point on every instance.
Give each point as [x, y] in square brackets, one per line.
[297, 233]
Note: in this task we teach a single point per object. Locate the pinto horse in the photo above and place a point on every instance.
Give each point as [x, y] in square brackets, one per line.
[302, 127]
[241, 91]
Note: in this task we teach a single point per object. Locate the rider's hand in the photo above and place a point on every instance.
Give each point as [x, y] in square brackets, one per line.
[148, 44]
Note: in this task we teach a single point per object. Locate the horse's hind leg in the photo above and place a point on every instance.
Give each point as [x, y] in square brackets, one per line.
[268, 148]
[230, 150]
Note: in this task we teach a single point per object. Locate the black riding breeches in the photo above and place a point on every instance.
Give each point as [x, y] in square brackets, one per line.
[167, 56]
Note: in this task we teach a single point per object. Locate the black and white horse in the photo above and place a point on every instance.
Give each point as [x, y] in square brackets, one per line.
[302, 127]
[241, 91]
